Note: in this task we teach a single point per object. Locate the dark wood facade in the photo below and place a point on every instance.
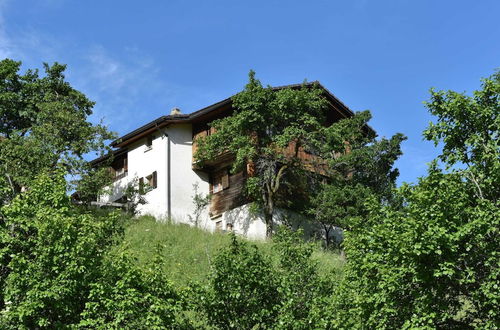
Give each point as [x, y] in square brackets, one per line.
[229, 197]
[232, 195]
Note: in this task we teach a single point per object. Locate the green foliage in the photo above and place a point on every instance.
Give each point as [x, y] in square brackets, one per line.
[265, 122]
[59, 267]
[339, 203]
[200, 202]
[303, 294]
[134, 194]
[50, 253]
[433, 261]
[419, 266]
[468, 127]
[43, 123]
[92, 183]
[127, 296]
[248, 290]
[358, 167]
[243, 289]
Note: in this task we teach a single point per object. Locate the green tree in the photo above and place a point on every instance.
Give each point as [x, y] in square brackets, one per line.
[339, 204]
[242, 293]
[126, 296]
[434, 260]
[356, 166]
[265, 122]
[248, 291]
[468, 127]
[43, 123]
[303, 293]
[59, 267]
[50, 252]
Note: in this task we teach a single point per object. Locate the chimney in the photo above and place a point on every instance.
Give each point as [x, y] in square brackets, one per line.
[175, 111]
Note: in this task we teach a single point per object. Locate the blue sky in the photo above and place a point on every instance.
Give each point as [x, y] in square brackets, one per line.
[138, 60]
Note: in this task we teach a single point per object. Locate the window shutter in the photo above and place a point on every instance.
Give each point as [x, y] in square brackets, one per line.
[155, 181]
[125, 164]
[225, 181]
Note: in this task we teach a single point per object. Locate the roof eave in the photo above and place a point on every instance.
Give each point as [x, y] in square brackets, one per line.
[197, 115]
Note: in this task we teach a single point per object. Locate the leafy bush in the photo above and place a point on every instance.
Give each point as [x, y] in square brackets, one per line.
[243, 291]
[303, 293]
[248, 291]
[50, 254]
[434, 262]
[126, 296]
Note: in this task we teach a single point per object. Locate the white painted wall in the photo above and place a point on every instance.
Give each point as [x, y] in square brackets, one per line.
[183, 177]
[143, 161]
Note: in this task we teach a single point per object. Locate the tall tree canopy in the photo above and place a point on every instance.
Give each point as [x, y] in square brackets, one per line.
[434, 260]
[43, 124]
[468, 127]
[357, 166]
[264, 123]
[270, 128]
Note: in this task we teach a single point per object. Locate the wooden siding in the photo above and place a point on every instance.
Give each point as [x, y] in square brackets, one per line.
[311, 162]
[230, 197]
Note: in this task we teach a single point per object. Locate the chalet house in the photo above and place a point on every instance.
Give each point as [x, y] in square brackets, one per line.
[160, 154]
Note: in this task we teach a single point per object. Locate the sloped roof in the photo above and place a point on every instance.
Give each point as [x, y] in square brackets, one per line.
[164, 120]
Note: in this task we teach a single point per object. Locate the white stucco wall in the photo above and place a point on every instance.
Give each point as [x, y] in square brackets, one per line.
[143, 161]
[184, 178]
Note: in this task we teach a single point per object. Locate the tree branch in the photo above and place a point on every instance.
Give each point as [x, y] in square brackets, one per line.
[277, 179]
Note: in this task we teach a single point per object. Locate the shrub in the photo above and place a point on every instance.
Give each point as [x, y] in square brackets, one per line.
[126, 296]
[247, 291]
[243, 290]
[50, 254]
[434, 263]
[303, 293]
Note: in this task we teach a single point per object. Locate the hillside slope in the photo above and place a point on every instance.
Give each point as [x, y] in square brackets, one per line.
[188, 251]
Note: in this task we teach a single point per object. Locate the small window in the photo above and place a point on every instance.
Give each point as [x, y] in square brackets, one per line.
[218, 226]
[148, 183]
[229, 227]
[220, 181]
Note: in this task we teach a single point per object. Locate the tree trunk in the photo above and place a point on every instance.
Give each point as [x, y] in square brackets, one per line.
[269, 224]
[268, 213]
[327, 236]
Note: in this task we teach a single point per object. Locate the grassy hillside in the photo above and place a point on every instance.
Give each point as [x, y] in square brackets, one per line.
[188, 251]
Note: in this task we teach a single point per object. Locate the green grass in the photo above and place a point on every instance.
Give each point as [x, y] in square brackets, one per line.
[188, 251]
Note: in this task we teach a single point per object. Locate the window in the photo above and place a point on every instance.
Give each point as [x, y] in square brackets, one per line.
[220, 181]
[149, 143]
[119, 168]
[218, 226]
[148, 183]
[229, 227]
